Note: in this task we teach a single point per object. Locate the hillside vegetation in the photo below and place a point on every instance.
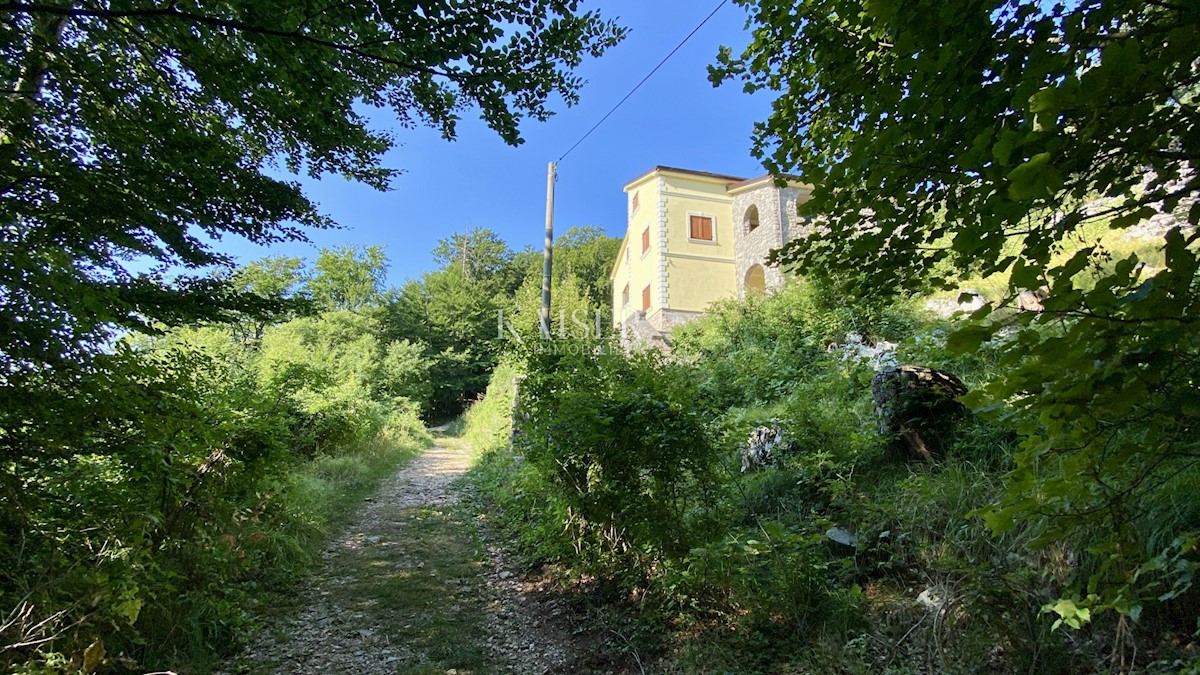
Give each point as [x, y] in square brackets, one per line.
[842, 556]
[162, 494]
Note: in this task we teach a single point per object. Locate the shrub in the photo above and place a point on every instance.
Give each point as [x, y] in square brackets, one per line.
[623, 442]
[756, 350]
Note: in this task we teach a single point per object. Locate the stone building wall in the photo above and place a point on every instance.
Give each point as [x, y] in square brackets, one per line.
[797, 227]
[778, 223]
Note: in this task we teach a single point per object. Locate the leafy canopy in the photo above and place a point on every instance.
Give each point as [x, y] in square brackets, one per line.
[950, 139]
[350, 277]
[133, 135]
[952, 128]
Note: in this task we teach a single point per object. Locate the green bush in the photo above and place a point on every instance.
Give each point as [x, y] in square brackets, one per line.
[150, 497]
[489, 422]
[627, 469]
[623, 441]
[756, 350]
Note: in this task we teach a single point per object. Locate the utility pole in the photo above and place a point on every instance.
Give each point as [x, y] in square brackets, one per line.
[548, 265]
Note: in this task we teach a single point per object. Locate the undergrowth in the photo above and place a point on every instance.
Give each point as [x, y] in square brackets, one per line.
[273, 551]
[838, 557]
[158, 500]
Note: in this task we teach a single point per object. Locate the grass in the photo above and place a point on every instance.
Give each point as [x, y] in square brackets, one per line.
[487, 424]
[288, 525]
[424, 591]
[337, 485]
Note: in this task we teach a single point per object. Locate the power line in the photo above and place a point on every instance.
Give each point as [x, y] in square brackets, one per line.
[644, 79]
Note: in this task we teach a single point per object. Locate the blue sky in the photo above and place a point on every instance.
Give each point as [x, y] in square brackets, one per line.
[676, 119]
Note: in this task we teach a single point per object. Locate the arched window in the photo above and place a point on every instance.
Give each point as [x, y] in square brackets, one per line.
[756, 280]
[751, 218]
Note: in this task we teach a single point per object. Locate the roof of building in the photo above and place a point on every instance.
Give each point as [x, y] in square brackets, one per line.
[792, 181]
[689, 172]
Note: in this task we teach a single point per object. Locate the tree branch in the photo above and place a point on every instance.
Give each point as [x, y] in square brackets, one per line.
[1166, 5]
[229, 24]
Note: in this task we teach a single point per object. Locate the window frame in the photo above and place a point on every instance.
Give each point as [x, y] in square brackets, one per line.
[712, 223]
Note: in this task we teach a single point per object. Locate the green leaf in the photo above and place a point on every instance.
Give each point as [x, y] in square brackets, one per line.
[1138, 294]
[882, 10]
[969, 337]
[93, 657]
[1035, 178]
[1002, 151]
[1025, 275]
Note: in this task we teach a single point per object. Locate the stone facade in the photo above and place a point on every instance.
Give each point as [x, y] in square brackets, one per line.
[652, 330]
[667, 319]
[765, 218]
[664, 290]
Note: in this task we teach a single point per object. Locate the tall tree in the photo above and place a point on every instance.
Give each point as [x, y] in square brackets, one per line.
[454, 310]
[588, 254]
[960, 129]
[981, 136]
[479, 253]
[349, 277]
[138, 132]
[271, 277]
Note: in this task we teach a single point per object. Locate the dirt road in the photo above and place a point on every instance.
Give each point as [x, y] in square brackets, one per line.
[411, 586]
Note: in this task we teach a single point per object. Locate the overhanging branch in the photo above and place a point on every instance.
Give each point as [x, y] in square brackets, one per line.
[173, 13]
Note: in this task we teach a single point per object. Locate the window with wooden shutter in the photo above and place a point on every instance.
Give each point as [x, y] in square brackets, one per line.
[701, 228]
[645, 240]
[645, 298]
[625, 296]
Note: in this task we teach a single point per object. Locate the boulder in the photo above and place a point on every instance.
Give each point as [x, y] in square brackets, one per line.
[917, 407]
[1031, 301]
[761, 449]
[945, 308]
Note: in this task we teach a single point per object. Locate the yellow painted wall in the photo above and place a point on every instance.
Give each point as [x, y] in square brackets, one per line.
[686, 196]
[694, 284]
[633, 267]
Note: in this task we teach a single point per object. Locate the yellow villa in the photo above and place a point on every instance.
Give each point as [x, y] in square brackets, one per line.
[695, 237]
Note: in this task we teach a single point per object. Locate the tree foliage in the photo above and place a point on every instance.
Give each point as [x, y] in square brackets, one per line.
[145, 493]
[454, 310]
[139, 133]
[464, 310]
[951, 130]
[587, 254]
[479, 254]
[348, 278]
[982, 137]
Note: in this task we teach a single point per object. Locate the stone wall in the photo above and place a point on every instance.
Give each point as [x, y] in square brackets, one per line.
[665, 320]
[778, 223]
[796, 227]
[639, 329]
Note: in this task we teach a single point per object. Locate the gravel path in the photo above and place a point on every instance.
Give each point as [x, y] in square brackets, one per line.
[347, 623]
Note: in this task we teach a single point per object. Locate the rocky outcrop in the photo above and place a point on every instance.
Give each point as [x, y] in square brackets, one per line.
[876, 354]
[761, 450]
[638, 332]
[917, 407]
[1031, 301]
[944, 308]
